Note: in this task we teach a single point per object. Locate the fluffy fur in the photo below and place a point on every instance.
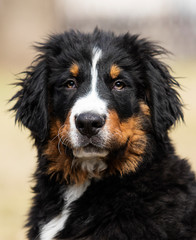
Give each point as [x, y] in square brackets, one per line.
[99, 107]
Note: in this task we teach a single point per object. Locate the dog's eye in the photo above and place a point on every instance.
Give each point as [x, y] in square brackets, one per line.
[71, 84]
[119, 85]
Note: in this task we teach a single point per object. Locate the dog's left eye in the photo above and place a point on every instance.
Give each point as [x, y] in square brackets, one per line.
[71, 84]
[119, 85]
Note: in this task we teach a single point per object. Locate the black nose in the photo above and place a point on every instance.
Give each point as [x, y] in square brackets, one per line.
[89, 123]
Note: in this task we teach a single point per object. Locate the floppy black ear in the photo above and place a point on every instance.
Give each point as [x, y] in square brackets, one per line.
[31, 105]
[164, 100]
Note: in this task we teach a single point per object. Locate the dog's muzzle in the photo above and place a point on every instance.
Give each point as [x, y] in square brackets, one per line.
[89, 126]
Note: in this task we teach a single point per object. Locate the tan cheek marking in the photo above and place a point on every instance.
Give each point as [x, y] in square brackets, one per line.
[74, 69]
[114, 71]
[130, 134]
[55, 150]
[121, 131]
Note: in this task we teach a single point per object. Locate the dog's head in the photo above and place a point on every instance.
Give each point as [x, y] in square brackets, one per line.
[94, 101]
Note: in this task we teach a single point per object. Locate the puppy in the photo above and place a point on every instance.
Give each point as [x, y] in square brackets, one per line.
[99, 107]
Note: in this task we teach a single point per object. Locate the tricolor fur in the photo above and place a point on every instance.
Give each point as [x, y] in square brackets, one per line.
[99, 107]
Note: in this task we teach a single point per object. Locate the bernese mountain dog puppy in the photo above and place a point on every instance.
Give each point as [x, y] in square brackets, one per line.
[99, 107]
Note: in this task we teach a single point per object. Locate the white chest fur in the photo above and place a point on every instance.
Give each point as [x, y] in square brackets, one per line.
[52, 228]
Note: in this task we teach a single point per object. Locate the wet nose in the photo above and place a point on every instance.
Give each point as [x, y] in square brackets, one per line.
[89, 123]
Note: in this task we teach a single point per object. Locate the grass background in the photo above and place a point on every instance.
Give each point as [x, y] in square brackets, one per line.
[18, 157]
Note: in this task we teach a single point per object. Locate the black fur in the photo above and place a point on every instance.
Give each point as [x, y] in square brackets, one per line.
[158, 201]
[31, 106]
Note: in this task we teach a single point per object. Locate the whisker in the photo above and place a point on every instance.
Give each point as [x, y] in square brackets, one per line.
[59, 137]
[64, 141]
[58, 133]
[54, 138]
[59, 142]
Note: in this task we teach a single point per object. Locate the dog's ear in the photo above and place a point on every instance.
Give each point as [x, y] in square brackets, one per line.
[164, 101]
[161, 95]
[31, 100]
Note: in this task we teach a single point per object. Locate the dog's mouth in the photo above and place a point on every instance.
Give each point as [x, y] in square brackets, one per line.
[90, 151]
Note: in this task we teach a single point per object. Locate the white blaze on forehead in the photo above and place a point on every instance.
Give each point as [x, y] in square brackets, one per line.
[91, 102]
[94, 73]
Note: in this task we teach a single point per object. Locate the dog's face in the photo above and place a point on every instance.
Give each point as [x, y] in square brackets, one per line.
[101, 96]
[96, 101]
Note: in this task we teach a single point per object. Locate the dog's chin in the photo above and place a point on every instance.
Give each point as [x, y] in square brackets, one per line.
[90, 151]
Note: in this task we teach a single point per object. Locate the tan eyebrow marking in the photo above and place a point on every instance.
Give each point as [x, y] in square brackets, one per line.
[74, 69]
[114, 71]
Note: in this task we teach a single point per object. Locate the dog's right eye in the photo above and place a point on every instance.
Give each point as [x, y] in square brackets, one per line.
[71, 84]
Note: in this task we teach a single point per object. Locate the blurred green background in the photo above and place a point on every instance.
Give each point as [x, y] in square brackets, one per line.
[172, 23]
